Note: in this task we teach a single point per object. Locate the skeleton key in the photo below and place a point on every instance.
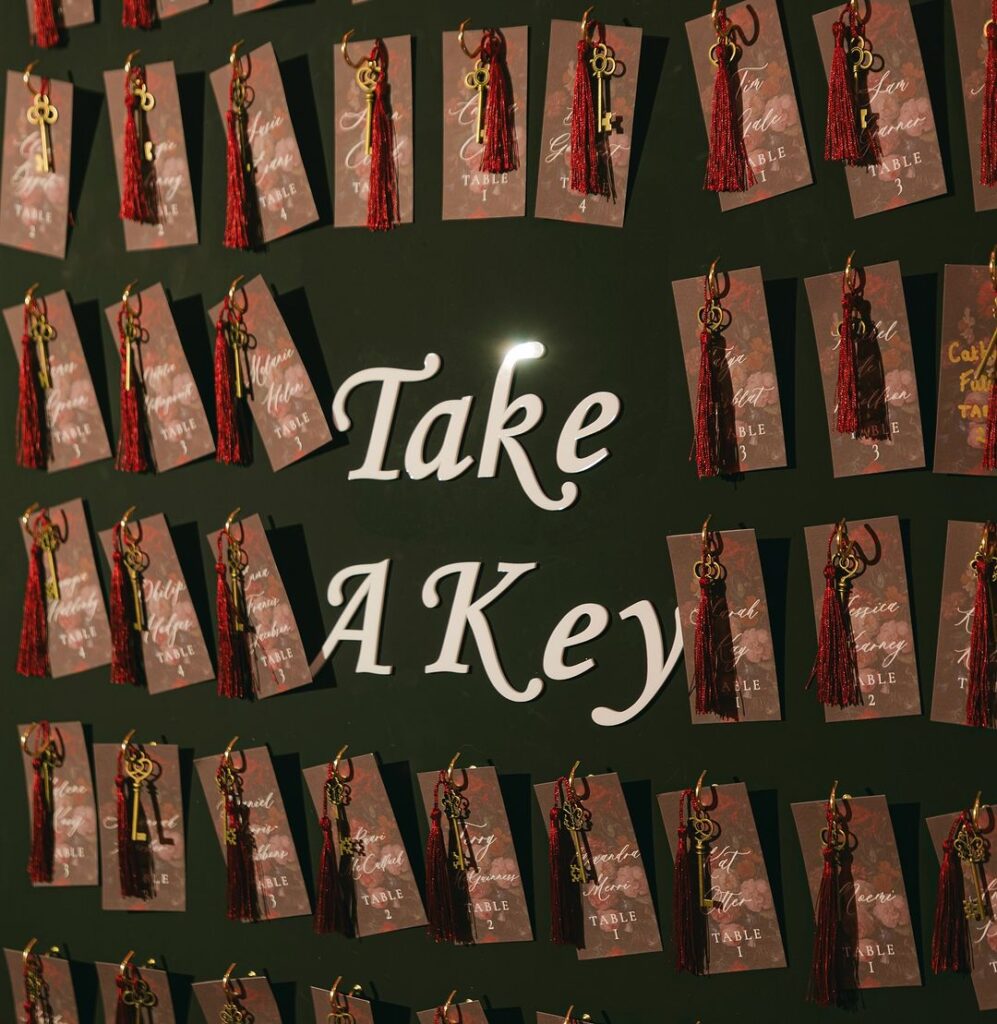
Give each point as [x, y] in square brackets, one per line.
[140, 997]
[603, 66]
[972, 849]
[146, 102]
[238, 338]
[136, 562]
[49, 540]
[232, 1014]
[42, 333]
[43, 114]
[237, 561]
[478, 79]
[704, 829]
[861, 59]
[138, 767]
[367, 77]
[455, 810]
[576, 819]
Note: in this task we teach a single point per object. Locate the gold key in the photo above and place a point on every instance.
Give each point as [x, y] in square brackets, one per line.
[49, 540]
[455, 808]
[238, 338]
[138, 767]
[478, 79]
[704, 830]
[576, 821]
[43, 113]
[367, 76]
[136, 562]
[603, 65]
[141, 998]
[237, 562]
[231, 1014]
[146, 102]
[42, 332]
[972, 850]
[862, 58]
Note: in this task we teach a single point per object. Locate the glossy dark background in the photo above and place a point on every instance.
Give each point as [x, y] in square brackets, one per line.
[600, 300]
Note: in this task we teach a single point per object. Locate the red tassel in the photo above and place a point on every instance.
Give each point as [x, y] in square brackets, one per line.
[238, 164]
[133, 874]
[232, 448]
[823, 989]
[841, 139]
[243, 901]
[706, 445]
[329, 901]
[124, 1011]
[382, 194]
[138, 14]
[234, 675]
[46, 28]
[980, 687]
[727, 167]
[689, 949]
[41, 859]
[705, 675]
[847, 388]
[500, 154]
[31, 424]
[586, 176]
[988, 136]
[566, 923]
[835, 667]
[32, 651]
[132, 456]
[440, 907]
[950, 948]
[137, 203]
[124, 649]
[990, 443]
[34, 989]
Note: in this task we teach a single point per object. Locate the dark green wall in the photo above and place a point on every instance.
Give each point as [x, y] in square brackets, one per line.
[600, 301]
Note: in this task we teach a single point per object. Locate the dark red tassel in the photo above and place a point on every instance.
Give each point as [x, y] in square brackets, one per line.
[705, 675]
[46, 27]
[841, 139]
[234, 674]
[950, 948]
[990, 441]
[132, 456]
[586, 176]
[382, 194]
[34, 988]
[500, 154]
[242, 897]
[32, 651]
[31, 423]
[138, 13]
[133, 875]
[988, 135]
[688, 949]
[847, 393]
[979, 686]
[329, 903]
[238, 164]
[124, 1011]
[706, 444]
[727, 166]
[440, 907]
[824, 964]
[124, 649]
[566, 923]
[231, 447]
[835, 667]
[41, 859]
[137, 203]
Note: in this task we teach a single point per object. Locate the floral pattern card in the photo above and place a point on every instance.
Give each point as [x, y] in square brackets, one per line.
[57, 987]
[970, 17]
[154, 996]
[742, 927]
[495, 885]
[359, 1009]
[879, 948]
[253, 996]
[745, 652]
[466, 1011]
[879, 610]
[617, 907]
[751, 431]
[767, 107]
[388, 897]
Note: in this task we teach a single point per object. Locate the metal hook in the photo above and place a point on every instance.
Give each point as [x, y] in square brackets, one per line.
[975, 812]
[452, 765]
[227, 756]
[567, 1016]
[993, 266]
[706, 530]
[711, 279]
[226, 985]
[585, 21]
[26, 952]
[129, 59]
[127, 293]
[849, 268]
[333, 991]
[335, 771]
[127, 740]
[715, 16]
[832, 801]
[26, 514]
[231, 519]
[29, 295]
[127, 516]
[123, 966]
[233, 55]
[571, 775]
[460, 40]
[26, 77]
[841, 535]
[343, 48]
[26, 736]
[699, 784]
[448, 1004]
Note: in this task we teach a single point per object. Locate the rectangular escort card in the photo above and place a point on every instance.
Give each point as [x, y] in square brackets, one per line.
[970, 16]
[555, 200]
[982, 934]
[768, 111]
[753, 436]
[742, 927]
[174, 653]
[154, 996]
[955, 623]
[69, 13]
[58, 994]
[279, 179]
[279, 882]
[34, 203]
[879, 609]
[906, 165]
[168, 174]
[245, 6]
[879, 949]
[889, 411]
[388, 897]
[75, 427]
[495, 885]
[160, 818]
[178, 426]
[744, 641]
[75, 813]
[617, 908]
[968, 324]
[167, 8]
[358, 1009]
[466, 1011]
[79, 637]
[281, 664]
[352, 164]
[282, 400]
[468, 192]
[253, 996]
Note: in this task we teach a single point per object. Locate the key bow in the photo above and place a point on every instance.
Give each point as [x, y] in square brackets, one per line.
[42, 110]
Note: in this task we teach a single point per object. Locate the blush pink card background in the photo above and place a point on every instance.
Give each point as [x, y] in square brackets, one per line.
[161, 1012]
[76, 858]
[245, 6]
[884, 293]
[879, 606]
[76, 427]
[910, 168]
[469, 193]
[59, 990]
[761, 443]
[875, 897]
[167, 8]
[359, 1009]
[969, 17]
[279, 882]
[69, 13]
[555, 200]
[34, 207]
[387, 894]
[743, 929]
[770, 117]
[255, 998]
[751, 634]
[177, 223]
[352, 164]
[178, 426]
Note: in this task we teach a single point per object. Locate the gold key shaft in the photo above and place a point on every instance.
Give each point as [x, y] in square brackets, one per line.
[139, 837]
